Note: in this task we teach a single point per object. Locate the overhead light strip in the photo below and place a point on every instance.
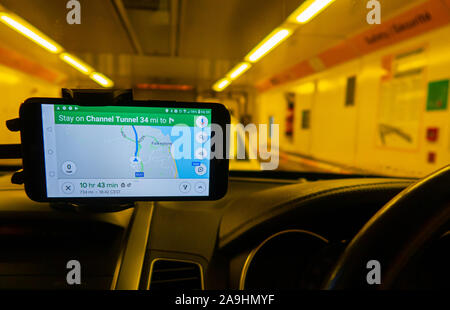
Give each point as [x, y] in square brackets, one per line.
[220, 85]
[239, 70]
[76, 63]
[272, 41]
[303, 14]
[29, 31]
[312, 8]
[102, 80]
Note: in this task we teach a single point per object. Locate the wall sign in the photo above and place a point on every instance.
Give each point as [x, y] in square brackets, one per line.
[289, 129]
[350, 91]
[402, 97]
[306, 119]
[437, 95]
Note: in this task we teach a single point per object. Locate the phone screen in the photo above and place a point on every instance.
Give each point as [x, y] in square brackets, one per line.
[110, 151]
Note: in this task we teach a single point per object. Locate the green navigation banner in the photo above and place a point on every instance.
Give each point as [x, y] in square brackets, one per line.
[123, 116]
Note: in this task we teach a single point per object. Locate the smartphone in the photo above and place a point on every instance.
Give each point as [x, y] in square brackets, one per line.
[141, 151]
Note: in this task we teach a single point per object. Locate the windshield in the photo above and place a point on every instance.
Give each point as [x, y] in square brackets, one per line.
[335, 86]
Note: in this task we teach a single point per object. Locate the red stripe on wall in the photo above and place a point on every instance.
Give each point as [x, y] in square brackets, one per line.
[295, 72]
[423, 18]
[17, 61]
[340, 53]
[418, 20]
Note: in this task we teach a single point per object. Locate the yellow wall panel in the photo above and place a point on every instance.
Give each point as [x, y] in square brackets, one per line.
[15, 87]
[350, 135]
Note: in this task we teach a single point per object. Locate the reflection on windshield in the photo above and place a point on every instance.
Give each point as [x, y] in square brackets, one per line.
[340, 86]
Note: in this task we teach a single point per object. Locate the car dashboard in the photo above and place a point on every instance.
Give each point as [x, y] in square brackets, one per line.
[265, 233]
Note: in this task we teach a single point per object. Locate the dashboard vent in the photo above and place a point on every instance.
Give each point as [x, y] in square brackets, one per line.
[171, 274]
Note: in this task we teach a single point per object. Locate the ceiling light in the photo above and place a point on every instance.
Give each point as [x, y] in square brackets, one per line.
[311, 8]
[30, 32]
[268, 44]
[76, 63]
[102, 80]
[221, 84]
[239, 70]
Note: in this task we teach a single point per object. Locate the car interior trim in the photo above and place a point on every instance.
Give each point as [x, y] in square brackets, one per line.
[294, 196]
[131, 262]
[252, 253]
[174, 260]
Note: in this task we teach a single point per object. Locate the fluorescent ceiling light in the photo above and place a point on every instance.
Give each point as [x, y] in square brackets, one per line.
[21, 26]
[268, 44]
[76, 63]
[307, 11]
[30, 32]
[102, 80]
[311, 8]
[239, 70]
[221, 84]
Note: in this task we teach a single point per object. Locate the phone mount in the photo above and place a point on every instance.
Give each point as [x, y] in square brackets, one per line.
[81, 97]
[97, 97]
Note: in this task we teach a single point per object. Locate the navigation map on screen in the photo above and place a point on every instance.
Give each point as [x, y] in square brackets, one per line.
[126, 151]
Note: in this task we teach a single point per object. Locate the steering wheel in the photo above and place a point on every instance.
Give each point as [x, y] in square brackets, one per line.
[395, 234]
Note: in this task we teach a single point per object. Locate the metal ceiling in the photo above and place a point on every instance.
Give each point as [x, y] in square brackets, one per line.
[152, 5]
[205, 28]
[101, 30]
[183, 41]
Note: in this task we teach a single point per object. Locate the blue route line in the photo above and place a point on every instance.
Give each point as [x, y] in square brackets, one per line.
[137, 145]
